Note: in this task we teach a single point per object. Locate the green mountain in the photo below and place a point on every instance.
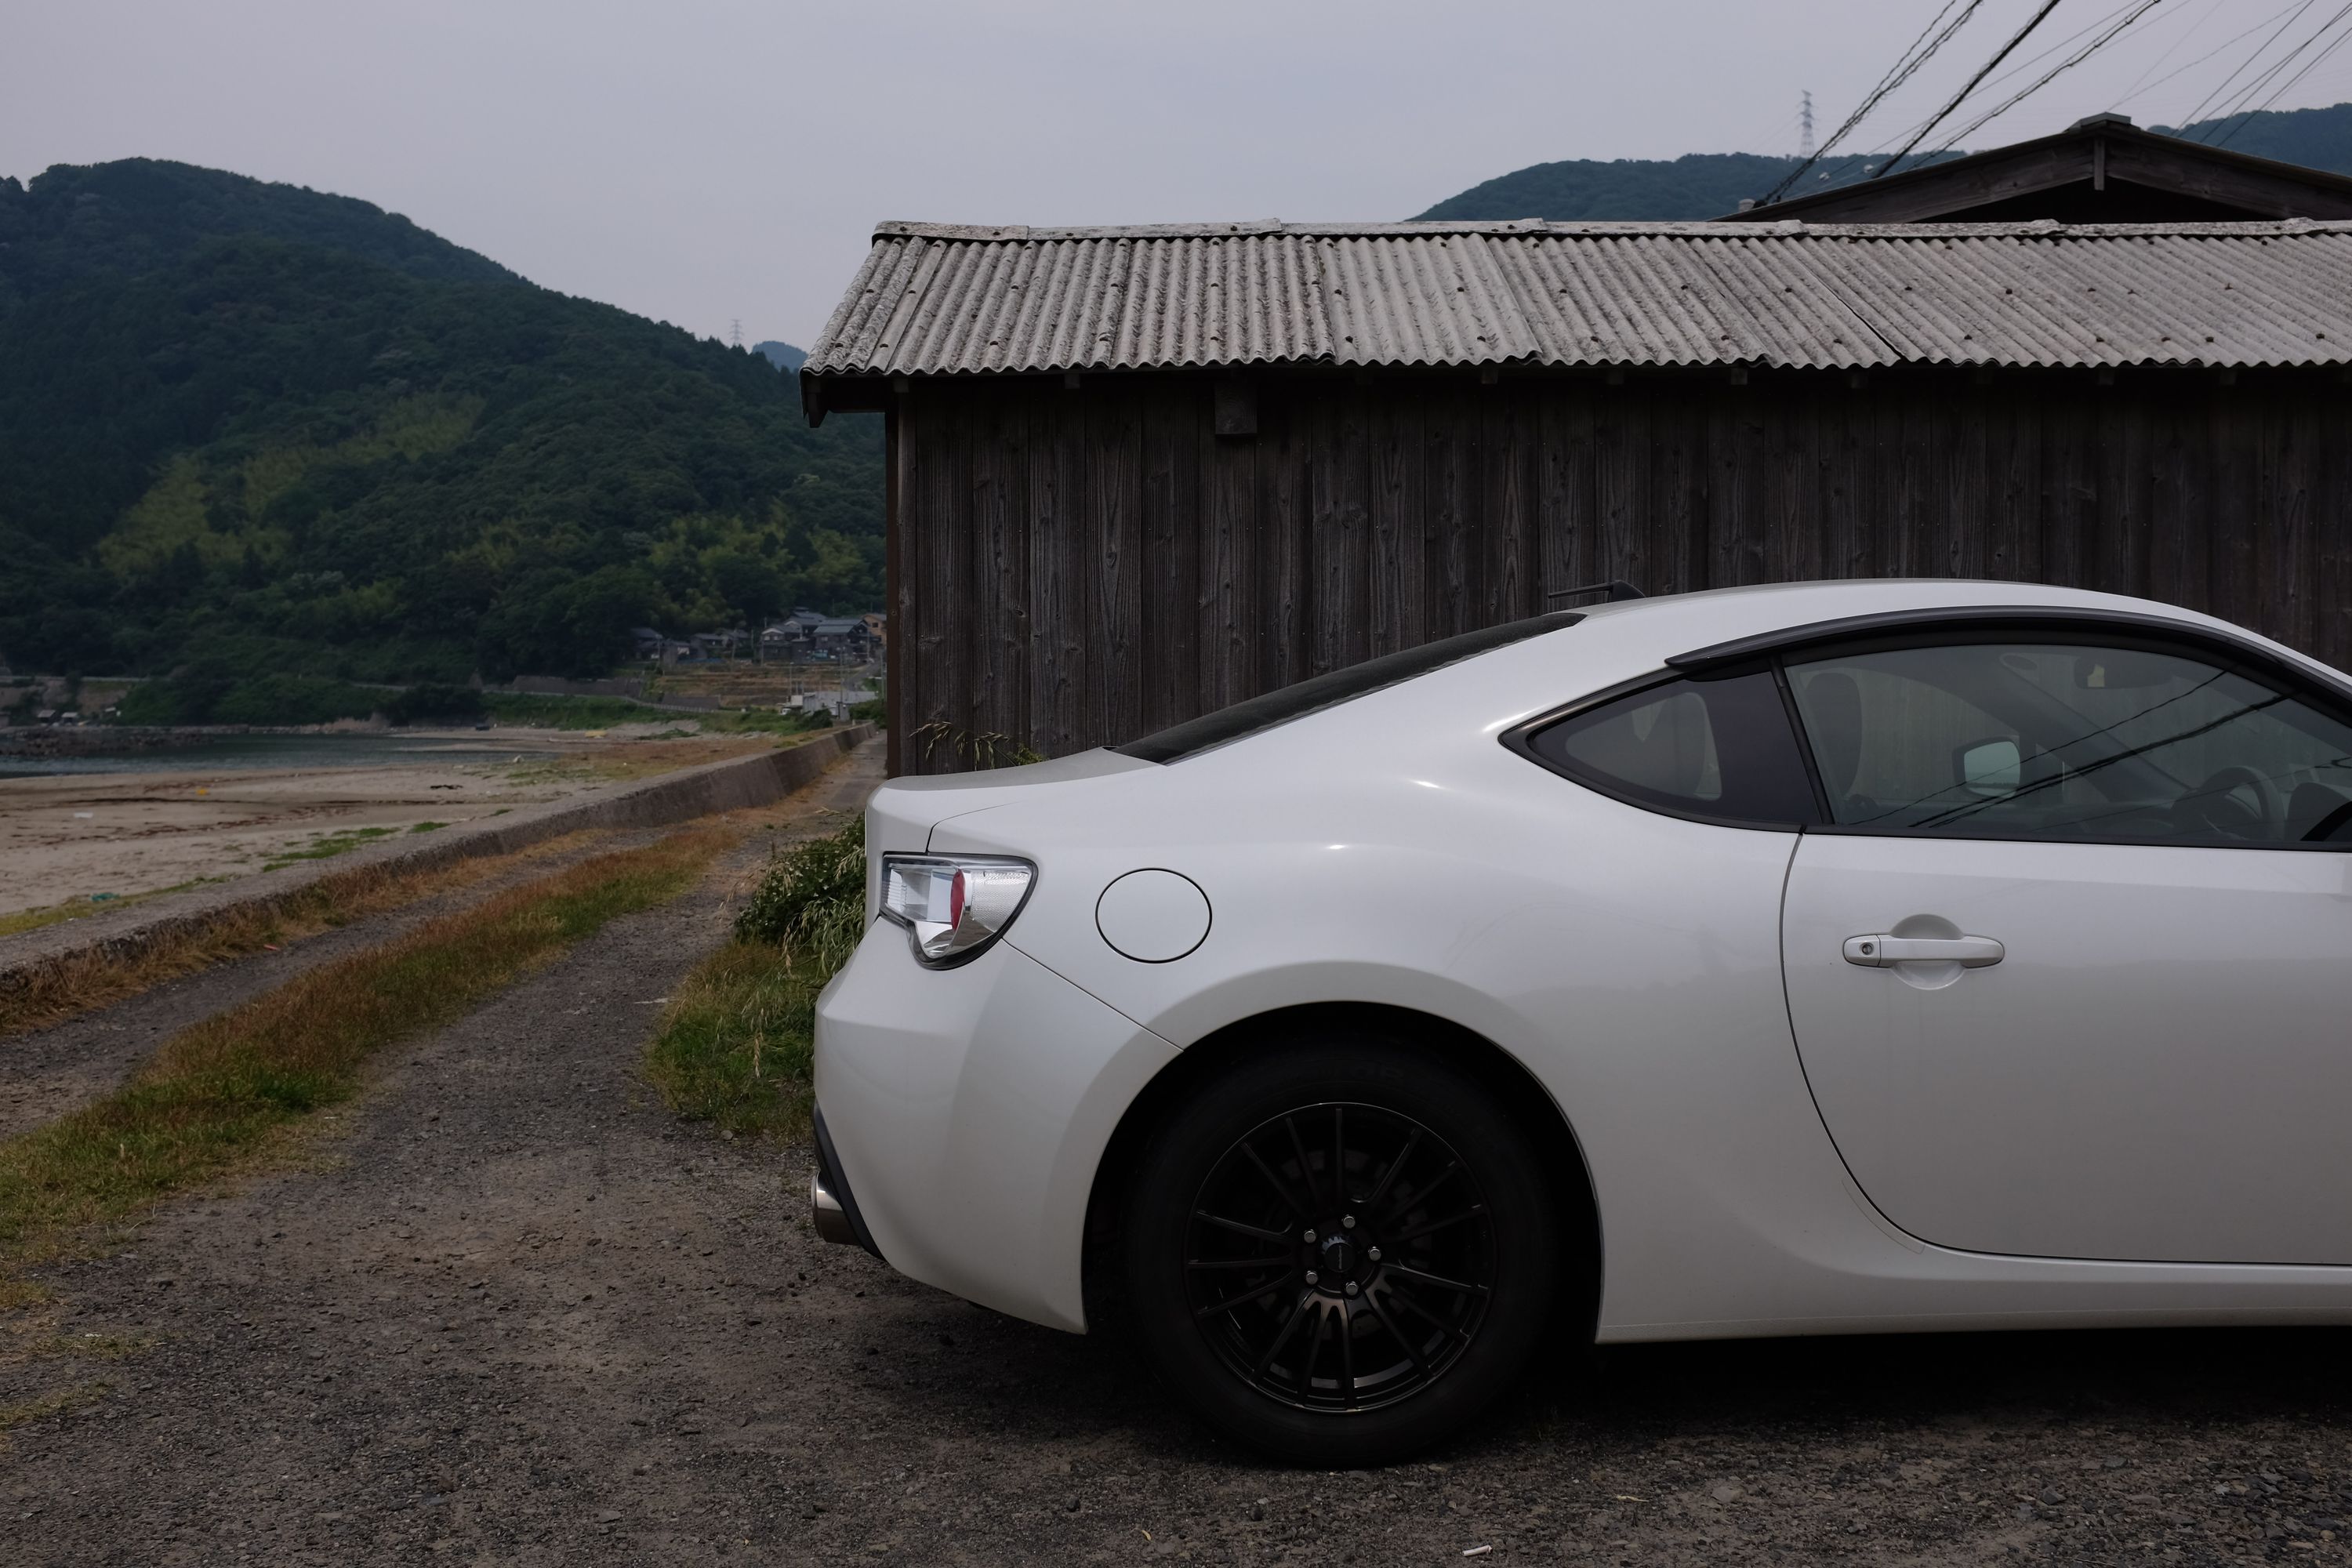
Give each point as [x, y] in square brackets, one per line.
[783, 356]
[1693, 187]
[1708, 184]
[2315, 138]
[247, 429]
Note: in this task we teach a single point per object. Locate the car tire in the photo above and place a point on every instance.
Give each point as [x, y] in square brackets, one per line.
[1431, 1278]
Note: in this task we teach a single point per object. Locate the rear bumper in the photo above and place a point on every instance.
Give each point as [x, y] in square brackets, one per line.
[832, 1207]
[967, 1111]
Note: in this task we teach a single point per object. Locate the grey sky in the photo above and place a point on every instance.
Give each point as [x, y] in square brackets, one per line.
[699, 160]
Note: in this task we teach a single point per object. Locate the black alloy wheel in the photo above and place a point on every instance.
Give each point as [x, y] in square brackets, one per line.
[1340, 1256]
[1343, 1250]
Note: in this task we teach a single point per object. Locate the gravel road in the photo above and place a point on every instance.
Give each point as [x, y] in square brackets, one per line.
[514, 1312]
[48, 1072]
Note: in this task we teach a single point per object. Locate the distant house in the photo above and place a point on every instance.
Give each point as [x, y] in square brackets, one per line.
[646, 642]
[784, 637]
[846, 637]
[721, 643]
[877, 630]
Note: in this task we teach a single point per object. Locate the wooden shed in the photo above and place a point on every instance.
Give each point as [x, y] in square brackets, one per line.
[1136, 474]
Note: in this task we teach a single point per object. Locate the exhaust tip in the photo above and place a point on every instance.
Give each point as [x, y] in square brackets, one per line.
[832, 1220]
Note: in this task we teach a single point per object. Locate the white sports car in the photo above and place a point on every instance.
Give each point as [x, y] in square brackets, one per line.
[1811, 959]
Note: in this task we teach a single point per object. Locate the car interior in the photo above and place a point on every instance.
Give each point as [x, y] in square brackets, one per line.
[2072, 741]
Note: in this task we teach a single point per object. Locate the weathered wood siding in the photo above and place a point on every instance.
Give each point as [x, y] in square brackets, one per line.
[1079, 567]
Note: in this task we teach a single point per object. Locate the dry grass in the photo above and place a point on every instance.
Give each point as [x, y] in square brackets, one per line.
[643, 759]
[220, 1096]
[96, 978]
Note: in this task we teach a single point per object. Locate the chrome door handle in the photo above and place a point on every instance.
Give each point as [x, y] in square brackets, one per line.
[1884, 951]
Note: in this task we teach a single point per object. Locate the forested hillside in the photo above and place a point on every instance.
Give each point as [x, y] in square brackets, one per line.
[1708, 184]
[248, 428]
[1696, 185]
[2315, 138]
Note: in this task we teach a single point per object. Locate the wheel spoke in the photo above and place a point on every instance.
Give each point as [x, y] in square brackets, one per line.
[1306, 1171]
[1396, 1332]
[1437, 1279]
[1279, 1238]
[1453, 1169]
[1230, 1303]
[1297, 1314]
[1374, 1203]
[1281, 1189]
[1473, 1211]
[1405, 1298]
[1405, 1185]
[1347, 1355]
[1340, 1155]
[1314, 1352]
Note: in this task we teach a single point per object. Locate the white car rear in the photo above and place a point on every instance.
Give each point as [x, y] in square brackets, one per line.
[1805, 959]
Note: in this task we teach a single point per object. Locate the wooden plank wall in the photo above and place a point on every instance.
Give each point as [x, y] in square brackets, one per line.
[1079, 567]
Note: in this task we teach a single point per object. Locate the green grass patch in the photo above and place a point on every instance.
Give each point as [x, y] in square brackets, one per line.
[737, 1044]
[214, 1098]
[326, 846]
[429, 827]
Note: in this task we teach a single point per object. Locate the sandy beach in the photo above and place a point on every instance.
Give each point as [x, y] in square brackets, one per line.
[69, 838]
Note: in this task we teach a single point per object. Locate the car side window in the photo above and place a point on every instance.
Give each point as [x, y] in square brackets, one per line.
[2053, 739]
[1720, 748]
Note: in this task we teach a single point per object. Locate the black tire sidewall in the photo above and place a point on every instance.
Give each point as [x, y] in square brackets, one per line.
[1412, 1080]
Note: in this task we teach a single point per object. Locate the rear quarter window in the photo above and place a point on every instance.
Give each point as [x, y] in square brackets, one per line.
[1719, 749]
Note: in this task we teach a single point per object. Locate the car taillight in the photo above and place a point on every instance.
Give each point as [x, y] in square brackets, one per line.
[953, 905]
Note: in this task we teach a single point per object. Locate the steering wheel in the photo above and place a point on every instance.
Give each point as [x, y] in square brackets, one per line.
[2215, 806]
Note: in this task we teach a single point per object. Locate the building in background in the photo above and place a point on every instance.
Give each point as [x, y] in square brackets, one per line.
[1139, 474]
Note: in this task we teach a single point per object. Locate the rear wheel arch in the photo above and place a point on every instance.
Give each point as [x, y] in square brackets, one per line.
[1515, 1088]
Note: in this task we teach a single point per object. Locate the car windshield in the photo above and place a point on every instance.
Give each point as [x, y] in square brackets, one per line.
[1256, 714]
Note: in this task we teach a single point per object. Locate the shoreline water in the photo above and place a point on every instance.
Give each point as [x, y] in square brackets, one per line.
[102, 825]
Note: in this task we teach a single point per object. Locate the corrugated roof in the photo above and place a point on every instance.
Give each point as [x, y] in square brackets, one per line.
[934, 299]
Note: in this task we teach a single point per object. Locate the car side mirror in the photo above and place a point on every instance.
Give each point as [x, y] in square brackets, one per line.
[1990, 769]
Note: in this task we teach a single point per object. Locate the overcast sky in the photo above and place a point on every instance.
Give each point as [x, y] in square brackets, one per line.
[706, 160]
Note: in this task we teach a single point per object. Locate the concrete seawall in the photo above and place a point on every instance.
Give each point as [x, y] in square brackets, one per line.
[729, 785]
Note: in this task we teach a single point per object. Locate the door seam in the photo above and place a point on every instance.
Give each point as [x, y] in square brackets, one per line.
[1788, 1010]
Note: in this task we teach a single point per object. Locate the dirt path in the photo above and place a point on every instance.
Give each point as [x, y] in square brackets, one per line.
[48, 1071]
[523, 1316]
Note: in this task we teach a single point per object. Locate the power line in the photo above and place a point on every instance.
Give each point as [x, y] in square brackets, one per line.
[2020, 69]
[2137, 90]
[2022, 33]
[2190, 33]
[2247, 118]
[1862, 159]
[2255, 86]
[2047, 77]
[2260, 50]
[1910, 61]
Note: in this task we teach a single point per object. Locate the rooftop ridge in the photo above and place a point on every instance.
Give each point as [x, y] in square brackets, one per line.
[1700, 229]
